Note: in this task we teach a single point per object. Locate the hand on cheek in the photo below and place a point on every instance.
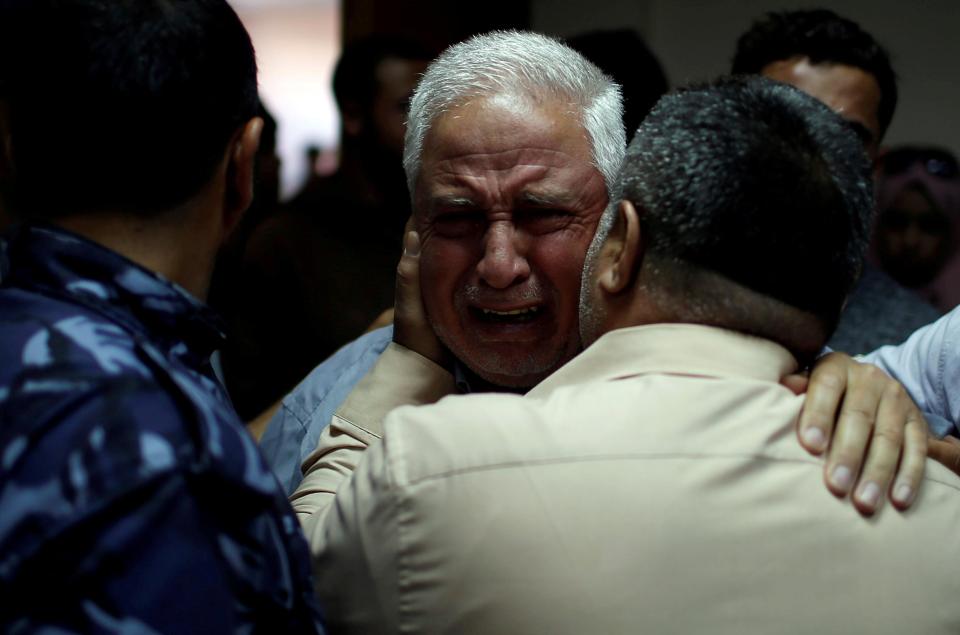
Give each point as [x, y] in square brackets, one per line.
[411, 328]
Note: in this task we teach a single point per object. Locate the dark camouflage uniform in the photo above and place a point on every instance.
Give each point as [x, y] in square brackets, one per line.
[131, 498]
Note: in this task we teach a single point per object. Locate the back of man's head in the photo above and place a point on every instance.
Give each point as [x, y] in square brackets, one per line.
[122, 105]
[754, 183]
[825, 38]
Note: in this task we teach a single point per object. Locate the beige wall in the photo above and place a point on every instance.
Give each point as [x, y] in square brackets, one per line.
[694, 39]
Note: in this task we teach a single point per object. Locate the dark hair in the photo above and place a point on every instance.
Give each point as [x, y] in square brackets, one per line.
[758, 182]
[823, 36]
[124, 105]
[355, 76]
[624, 56]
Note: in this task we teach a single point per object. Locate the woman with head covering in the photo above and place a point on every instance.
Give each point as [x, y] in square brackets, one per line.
[917, 230]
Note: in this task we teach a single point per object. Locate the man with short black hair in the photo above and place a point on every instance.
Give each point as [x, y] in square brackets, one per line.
[829, 57]
[833, 59]
[652, 483]
[133, 499]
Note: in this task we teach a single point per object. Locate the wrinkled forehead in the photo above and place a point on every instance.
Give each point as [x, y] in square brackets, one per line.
[499, 131]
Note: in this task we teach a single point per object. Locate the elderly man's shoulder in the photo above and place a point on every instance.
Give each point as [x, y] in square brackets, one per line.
[294, 430]
[337, 374]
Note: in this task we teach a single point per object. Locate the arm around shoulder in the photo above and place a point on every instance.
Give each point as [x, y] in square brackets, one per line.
[400, 377]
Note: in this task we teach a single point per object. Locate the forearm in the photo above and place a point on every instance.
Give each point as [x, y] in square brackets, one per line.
[400, 377]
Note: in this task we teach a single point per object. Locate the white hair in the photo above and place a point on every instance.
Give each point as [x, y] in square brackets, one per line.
[525, 64]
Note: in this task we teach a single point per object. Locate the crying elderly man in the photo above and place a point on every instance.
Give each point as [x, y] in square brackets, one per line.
[513, 145]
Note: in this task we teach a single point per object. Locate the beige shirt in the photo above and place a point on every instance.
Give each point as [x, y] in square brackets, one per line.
[654, 484]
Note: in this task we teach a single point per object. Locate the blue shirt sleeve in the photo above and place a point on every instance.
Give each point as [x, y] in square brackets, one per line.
[928, 366]
[160, 569]
[293, 432]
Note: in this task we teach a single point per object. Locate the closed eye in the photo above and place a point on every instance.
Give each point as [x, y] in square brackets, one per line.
[542, 220]
[459, 224]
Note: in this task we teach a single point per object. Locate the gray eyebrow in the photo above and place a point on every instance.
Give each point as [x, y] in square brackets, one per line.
[453, 201]
[533, 199]
[543, 200]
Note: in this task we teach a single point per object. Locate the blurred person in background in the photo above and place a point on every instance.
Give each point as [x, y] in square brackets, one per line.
[917, 229]
[833, 59]
[319, 272]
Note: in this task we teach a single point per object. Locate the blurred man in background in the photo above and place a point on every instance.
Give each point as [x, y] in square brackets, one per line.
[833, 59]
[317, 274]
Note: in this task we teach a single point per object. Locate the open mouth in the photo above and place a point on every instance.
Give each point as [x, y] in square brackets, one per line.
[514, 316]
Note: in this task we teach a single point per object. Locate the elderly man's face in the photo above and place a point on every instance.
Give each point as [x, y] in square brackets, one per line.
[507, 202]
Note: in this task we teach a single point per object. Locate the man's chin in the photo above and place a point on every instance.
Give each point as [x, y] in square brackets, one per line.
[515, 363]
[514, 372]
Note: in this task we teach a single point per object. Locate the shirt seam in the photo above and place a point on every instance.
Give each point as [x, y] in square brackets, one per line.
[945, 348]
[632, 456]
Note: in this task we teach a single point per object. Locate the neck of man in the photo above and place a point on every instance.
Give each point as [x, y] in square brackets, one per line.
[690, 295]
[179, 244]
[470, 382]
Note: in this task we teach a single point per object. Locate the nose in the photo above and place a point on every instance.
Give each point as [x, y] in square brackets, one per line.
[503, 262]
[912, 237]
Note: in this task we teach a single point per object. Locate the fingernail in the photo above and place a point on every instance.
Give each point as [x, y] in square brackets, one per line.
[869, 495]
[411, 244]
[814, 438]
[903, 493]
[841, 477]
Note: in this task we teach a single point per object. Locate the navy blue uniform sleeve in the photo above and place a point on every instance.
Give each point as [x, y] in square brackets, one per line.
[117, 521]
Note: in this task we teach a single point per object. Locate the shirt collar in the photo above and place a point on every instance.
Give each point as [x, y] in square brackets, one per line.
[684, 349]
[58, 263]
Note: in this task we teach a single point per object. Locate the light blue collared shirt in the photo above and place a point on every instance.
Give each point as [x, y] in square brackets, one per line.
[294, 431]
[928, 366]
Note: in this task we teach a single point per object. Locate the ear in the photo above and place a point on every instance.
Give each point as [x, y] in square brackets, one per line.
[619, 259]
[241, 172]
[352, 118]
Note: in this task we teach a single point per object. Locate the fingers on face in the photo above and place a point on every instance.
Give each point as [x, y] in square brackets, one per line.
[408, 269]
